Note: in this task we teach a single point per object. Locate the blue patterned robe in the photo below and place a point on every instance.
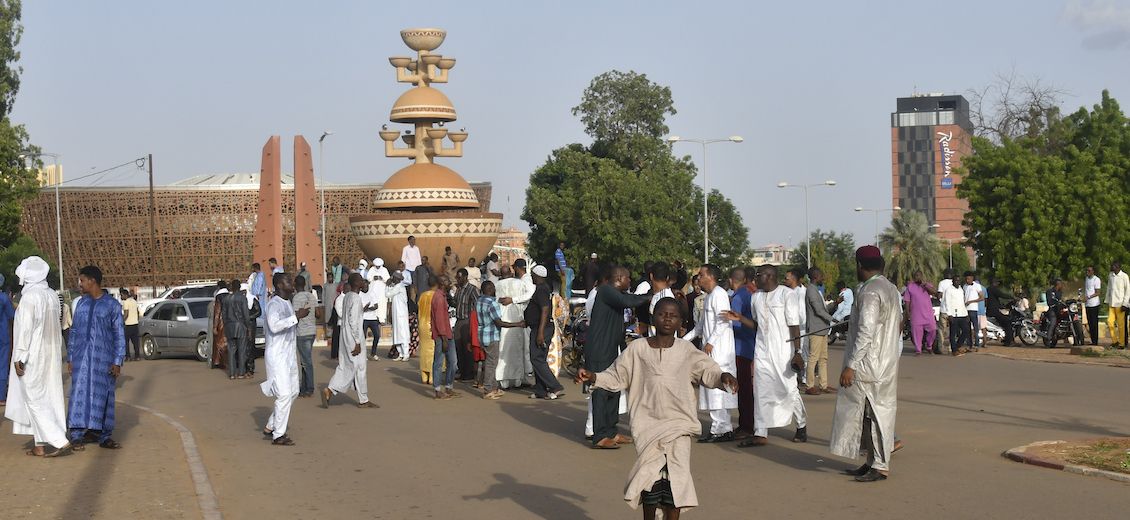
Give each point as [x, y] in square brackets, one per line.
[7, 313]
[96, 341]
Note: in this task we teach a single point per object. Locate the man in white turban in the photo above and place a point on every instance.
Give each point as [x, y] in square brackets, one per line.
[35, 400]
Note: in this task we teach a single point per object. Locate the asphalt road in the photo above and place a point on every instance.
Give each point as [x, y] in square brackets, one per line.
[520, 458]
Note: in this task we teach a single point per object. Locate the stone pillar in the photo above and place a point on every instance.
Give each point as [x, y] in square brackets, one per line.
[268, 221]
[307, 215]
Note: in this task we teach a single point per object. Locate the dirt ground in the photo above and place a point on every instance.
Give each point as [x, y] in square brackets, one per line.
[1115, 358]
[1110, 454]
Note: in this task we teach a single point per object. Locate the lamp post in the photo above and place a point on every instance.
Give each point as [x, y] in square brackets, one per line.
[807, 234]
[58, 211]
[322, 176]
[877, 211]
[705, 195]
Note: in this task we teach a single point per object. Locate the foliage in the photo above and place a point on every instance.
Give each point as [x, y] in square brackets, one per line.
[626, 197]
[959, 254]
[21, 248]
[833, 253]
[17, 181]
[910, 247]
[1052, 201]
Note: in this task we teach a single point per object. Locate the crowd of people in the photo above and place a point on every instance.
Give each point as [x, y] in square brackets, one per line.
[753, 339]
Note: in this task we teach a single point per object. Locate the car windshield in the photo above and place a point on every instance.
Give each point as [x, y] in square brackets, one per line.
[198, 309]
[198, 292]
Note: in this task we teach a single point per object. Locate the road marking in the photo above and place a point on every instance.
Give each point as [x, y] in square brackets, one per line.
[205, 496]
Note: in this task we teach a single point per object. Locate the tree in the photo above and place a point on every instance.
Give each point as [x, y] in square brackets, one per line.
[17, 181]
[911, 247]
[1013, 106]
[21, 248]
[959, 254]
[833, 253]
[1053, 200]
[626, 196]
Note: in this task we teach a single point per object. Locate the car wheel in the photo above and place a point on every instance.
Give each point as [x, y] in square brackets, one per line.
[203, 348]
[149, 347]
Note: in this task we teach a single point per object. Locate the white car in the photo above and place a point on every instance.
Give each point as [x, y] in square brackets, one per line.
[144, 305]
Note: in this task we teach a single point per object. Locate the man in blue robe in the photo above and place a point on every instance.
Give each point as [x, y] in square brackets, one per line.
[7, 313]
[96, 347]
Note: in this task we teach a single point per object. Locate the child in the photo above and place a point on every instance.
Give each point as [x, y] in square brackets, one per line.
[659, 372]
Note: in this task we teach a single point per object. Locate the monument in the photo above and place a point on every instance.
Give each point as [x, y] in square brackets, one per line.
[426, 200]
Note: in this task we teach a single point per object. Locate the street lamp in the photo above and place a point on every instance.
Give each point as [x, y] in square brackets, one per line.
[705, 195]
[877, 211]
[58, 212]
[807, 234]
[322, 176]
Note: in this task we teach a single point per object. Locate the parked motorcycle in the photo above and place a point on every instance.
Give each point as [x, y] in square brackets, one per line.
[1069, 323]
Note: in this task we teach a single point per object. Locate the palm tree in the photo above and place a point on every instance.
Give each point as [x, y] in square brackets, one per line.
[911, 247]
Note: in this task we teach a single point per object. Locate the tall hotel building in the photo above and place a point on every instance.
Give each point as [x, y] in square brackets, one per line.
[929, 136]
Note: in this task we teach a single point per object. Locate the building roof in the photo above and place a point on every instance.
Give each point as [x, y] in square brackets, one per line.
[227, 180]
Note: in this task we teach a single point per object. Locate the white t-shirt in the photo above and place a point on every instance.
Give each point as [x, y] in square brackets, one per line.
[410, 255]
[973, 291]
[1092, 286]
[368, 298]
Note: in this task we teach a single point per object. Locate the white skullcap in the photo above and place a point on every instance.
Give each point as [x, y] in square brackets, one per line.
[363, 263]
[540, 271]
[378, 262]
[32, 270]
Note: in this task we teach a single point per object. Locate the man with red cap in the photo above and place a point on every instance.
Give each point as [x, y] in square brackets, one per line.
[866, 404]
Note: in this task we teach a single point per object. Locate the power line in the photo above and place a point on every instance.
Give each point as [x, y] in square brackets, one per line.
[139, 162]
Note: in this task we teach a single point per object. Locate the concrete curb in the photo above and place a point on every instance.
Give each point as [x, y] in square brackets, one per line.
[1021, 455]
[205, 495]
[1056, 361]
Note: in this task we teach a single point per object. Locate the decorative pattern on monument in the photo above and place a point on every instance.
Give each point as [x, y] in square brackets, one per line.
[201, 234]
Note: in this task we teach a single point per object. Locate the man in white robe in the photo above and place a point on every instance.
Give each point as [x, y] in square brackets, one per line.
[776, 359]
[35, 393]
[794, 280]
[397, 295]
[352, 369]
[867, 401]
[514, 294]
[718, 342]
[281, 357]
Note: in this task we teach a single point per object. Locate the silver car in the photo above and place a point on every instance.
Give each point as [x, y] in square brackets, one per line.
[176, 327]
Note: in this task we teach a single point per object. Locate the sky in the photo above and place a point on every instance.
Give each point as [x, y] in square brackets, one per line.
[810, 86]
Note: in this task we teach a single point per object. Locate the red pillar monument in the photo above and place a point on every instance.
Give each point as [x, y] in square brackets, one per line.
[307, 215]
[268, 222]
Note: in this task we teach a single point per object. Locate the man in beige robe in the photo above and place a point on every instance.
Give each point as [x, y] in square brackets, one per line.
[659, 373]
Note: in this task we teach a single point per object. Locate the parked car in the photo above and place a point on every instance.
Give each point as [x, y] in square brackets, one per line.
[144, 304]
[181, 327]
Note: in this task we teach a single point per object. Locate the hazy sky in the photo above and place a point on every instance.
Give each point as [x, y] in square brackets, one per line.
[201, 85]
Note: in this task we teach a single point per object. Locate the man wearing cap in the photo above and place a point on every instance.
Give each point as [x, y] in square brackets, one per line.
[35, 398]
[513, 350]
[591, 273]
[867, 401]
[537, 317]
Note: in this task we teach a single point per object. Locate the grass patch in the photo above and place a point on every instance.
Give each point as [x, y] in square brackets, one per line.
[1108, 454]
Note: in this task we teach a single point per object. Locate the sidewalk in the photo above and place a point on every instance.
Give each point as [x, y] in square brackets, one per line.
[1060, 354]
[147, 478]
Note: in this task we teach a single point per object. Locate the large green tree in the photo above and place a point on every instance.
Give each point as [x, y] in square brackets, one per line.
[625, 196]
[17, 180]
[1053, 200]
[833, 253]
[911, 247]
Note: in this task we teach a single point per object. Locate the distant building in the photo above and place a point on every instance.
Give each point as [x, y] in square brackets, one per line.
[772, 254]
[930, 134]
[511, 245]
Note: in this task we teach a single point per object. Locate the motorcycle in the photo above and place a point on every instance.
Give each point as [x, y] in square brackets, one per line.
[839, 331]
[1023, 328]
[1069, 323]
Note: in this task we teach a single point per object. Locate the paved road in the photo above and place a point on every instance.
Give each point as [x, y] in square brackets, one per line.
[517, 458]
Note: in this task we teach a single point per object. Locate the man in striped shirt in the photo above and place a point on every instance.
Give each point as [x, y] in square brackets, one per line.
[490, 334]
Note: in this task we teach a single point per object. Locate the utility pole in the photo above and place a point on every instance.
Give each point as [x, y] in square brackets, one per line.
[152, 228]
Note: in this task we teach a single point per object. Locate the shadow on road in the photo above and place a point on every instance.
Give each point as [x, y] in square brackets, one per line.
[564, 419]
[540, 501]
[1073, 425]
[260, 415]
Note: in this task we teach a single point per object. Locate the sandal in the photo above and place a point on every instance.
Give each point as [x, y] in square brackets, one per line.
[268, 433]
[368, 404]
[65, 450]
[110, 444]
[283, 441]
[32, 453]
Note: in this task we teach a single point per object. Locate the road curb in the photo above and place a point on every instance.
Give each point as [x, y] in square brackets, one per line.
[1054, 361]
[1020, 454]
[205, 494]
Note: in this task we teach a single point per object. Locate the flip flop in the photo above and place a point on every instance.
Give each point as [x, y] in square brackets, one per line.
[283, 441]
[110, 444]
[368, 404]
[268, 433]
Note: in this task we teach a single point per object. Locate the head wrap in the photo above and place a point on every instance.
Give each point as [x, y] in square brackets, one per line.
[868, 252]
[378, 262]
[539, 270]
[32, 270]
[362, 264]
